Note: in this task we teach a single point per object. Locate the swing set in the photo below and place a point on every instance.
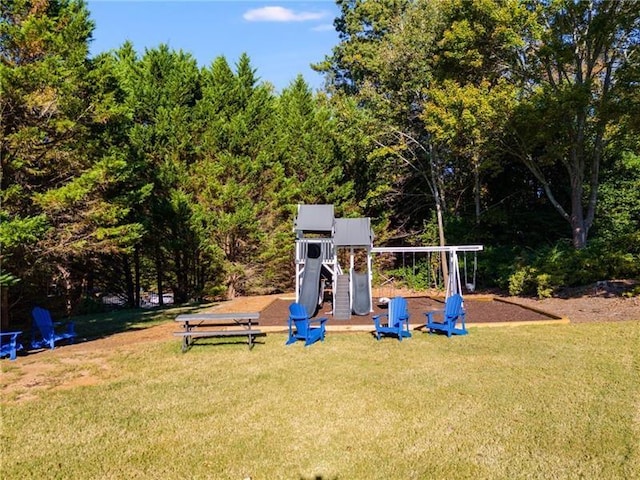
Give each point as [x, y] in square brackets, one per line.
[434, 271]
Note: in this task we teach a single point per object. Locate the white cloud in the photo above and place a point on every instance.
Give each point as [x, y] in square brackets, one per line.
[280, 14]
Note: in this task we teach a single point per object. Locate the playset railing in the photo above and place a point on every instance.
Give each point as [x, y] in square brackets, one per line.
[327, 248]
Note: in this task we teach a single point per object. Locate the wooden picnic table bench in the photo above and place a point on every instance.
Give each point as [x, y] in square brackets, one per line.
[201, 325]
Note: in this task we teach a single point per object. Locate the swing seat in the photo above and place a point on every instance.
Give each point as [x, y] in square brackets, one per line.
[471, 286]
[383, 301]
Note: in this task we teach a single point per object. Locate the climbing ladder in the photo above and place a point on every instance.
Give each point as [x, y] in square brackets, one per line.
[342, 305]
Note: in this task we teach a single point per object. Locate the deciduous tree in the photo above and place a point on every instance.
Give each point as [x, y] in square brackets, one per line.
[572, 65]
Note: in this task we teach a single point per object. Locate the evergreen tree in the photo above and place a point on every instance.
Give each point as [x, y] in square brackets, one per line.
[60, 202]
[161, 91]
[227, 180]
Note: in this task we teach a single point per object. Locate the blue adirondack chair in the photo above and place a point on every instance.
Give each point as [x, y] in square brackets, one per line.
[9, 345]
[43, 331]
[398, 319]
[301, 326]
[452, 313]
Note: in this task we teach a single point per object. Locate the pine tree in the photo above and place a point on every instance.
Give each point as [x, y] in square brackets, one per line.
[60, 206]
[228, 179]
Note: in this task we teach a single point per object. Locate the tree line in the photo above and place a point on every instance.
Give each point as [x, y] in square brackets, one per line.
[508, 123]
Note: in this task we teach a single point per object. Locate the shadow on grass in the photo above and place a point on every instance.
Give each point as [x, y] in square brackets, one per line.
[226, 342]
[100, 325]
[95, 326]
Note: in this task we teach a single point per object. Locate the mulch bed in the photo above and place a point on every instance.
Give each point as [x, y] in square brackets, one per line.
[478, 311]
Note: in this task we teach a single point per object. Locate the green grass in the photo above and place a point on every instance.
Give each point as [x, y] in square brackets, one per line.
[501, 403]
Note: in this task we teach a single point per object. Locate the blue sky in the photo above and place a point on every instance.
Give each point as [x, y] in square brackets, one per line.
[282, 38]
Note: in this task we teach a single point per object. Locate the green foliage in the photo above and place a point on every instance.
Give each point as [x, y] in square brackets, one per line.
[528, 280]
[125, 172]
[20, 231]
[236, 115]
[157, 97]
[520, 282]
[429, 234]
[544, 287]
[470, 98]
[381, 71]
[561, 126]
[7, 279]
[618, 221]
[308, 141]
[61, 203]
[549, 269]
[419, 276]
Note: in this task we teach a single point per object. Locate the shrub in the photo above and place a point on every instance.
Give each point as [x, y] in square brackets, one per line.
[544, 271]
[521, 281]
[544, 285]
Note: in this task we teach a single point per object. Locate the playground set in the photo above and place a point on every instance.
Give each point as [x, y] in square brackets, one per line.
[323, 245]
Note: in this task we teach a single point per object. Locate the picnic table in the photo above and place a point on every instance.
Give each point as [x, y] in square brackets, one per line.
[201, 325]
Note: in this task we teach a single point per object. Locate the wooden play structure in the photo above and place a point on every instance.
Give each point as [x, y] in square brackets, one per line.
[338, 252]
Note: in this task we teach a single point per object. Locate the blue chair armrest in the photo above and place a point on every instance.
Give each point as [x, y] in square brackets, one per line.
[402, 323]
[318, 320]
[431, 313]
[71, 328]
[12, 346]
[13, 335]
[376, 319]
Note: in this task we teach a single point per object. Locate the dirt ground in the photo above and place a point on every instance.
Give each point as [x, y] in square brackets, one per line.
[578, 306]
[480, 309]
[87, 361]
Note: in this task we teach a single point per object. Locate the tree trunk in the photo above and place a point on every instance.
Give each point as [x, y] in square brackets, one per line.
[159, 276]
[68, 287]
[577, 221]
[136, 266]
[439, 201]
[576, 175]
[4, 308]
[443, 242]
[231, 288]
[476, 186]
[180, 289]
[128, 278]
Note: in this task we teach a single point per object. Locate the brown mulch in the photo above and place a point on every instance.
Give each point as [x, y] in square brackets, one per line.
[483, 310]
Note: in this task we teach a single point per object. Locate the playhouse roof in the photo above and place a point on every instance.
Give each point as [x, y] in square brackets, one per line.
[314, 218]
[355, 232]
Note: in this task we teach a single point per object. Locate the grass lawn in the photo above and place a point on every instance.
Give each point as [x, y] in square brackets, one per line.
[500, 403]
